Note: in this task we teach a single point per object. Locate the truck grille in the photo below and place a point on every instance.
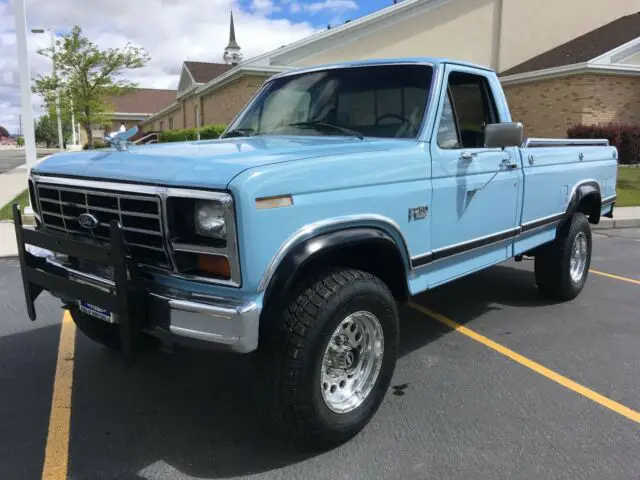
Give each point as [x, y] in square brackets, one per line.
[140, 216]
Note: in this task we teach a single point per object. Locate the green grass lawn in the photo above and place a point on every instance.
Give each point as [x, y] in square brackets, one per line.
[22, 199]
[628, 188]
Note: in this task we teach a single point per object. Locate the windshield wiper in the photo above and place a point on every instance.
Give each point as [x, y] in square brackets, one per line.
[239, 132]
[324, 126]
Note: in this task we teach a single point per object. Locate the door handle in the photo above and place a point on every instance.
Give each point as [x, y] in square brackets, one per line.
[468, 155]
[508, 165]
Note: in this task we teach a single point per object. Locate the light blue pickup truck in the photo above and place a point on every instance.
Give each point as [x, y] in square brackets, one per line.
[337, 192]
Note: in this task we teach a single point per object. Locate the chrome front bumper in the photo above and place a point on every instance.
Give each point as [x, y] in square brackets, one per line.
[184, 317]
[230, 324]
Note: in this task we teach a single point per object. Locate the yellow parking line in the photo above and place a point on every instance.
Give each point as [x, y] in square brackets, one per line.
[617, 277]
[56, 456]
[536, 367]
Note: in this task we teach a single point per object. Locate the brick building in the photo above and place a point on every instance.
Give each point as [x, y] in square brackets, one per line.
[562, 62]
[131, 109]
[210, 93]
[592, 79]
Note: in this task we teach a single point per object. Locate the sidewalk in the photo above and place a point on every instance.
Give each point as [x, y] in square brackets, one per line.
[12, 183]
[624, 217]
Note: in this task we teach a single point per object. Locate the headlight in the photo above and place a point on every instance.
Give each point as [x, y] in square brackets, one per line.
[209, 219]
[202, 234]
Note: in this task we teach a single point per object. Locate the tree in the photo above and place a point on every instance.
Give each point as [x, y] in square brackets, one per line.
[3, 132]
[47, 130]
[86, 76]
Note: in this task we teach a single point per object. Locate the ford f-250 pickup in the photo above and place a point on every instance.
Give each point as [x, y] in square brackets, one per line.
[337, 192]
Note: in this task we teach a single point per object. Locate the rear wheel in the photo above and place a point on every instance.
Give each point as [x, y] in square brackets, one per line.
[562, 267]
[328, 362]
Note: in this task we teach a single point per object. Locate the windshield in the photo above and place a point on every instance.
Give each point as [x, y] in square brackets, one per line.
[374, 101]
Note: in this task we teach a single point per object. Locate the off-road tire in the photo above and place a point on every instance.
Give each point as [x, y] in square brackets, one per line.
[293, 346]
[552, 262]
[106, 334]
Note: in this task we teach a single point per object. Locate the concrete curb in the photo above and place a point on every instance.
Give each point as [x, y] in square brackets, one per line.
[8, 246]
[608, 223]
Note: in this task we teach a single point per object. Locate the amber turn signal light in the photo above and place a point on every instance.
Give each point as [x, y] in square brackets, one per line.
[216, 265]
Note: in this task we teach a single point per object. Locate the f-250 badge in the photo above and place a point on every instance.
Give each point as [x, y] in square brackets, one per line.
[418, 213]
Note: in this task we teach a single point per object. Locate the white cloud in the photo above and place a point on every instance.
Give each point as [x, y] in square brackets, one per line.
[334, 6]
[170, 30]
[264, 6]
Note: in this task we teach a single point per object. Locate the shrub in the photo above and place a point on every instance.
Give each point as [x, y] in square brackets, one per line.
[189, 134]
[20, 141]
[96, 144]
[626, 138]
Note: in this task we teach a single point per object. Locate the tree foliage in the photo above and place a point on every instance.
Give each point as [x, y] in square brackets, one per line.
[86, 76]
[4, 133]
[47, 130]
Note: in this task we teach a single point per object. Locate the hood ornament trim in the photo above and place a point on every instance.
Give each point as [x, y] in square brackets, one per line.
[120, 141]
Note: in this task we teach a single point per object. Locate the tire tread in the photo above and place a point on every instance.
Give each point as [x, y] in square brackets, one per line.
[283, 349]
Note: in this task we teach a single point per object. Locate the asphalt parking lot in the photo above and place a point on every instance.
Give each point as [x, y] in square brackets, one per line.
[524, 388]
[11, 158]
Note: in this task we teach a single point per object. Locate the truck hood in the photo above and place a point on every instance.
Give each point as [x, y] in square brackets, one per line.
[206, 164]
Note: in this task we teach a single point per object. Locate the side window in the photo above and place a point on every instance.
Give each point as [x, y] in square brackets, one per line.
[474, 107]
[448, 130]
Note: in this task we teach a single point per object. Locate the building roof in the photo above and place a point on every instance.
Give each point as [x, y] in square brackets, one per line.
[584, 48]
[202, 72]
[142, 100]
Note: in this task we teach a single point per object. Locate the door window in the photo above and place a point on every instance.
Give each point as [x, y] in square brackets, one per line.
[448, 136]
[470, 106]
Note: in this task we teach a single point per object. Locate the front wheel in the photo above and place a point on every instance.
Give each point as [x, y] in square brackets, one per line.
[329, 361]
[562, 267]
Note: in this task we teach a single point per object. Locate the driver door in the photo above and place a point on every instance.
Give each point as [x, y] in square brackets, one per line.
[475, 189]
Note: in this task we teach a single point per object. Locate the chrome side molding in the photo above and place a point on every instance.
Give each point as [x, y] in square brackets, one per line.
[565, 142]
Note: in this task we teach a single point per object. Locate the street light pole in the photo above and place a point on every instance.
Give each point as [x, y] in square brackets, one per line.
[57, 99]
[25, 83]
[73, 123]
[53, 48]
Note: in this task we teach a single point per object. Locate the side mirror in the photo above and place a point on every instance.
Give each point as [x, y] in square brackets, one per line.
[500, 135]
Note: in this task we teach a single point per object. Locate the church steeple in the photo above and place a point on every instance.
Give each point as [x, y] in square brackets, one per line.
[232, 54]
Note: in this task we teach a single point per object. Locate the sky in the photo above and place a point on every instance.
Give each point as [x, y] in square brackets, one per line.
[171, 31]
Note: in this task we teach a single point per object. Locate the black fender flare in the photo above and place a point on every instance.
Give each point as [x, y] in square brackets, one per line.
[589, 191]
[301, 255]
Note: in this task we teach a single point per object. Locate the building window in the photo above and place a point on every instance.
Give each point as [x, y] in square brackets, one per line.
[161, 125]
[170, 123]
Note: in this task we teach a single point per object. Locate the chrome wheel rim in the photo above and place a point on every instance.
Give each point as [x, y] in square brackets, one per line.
[352, 362]
[578, 260]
